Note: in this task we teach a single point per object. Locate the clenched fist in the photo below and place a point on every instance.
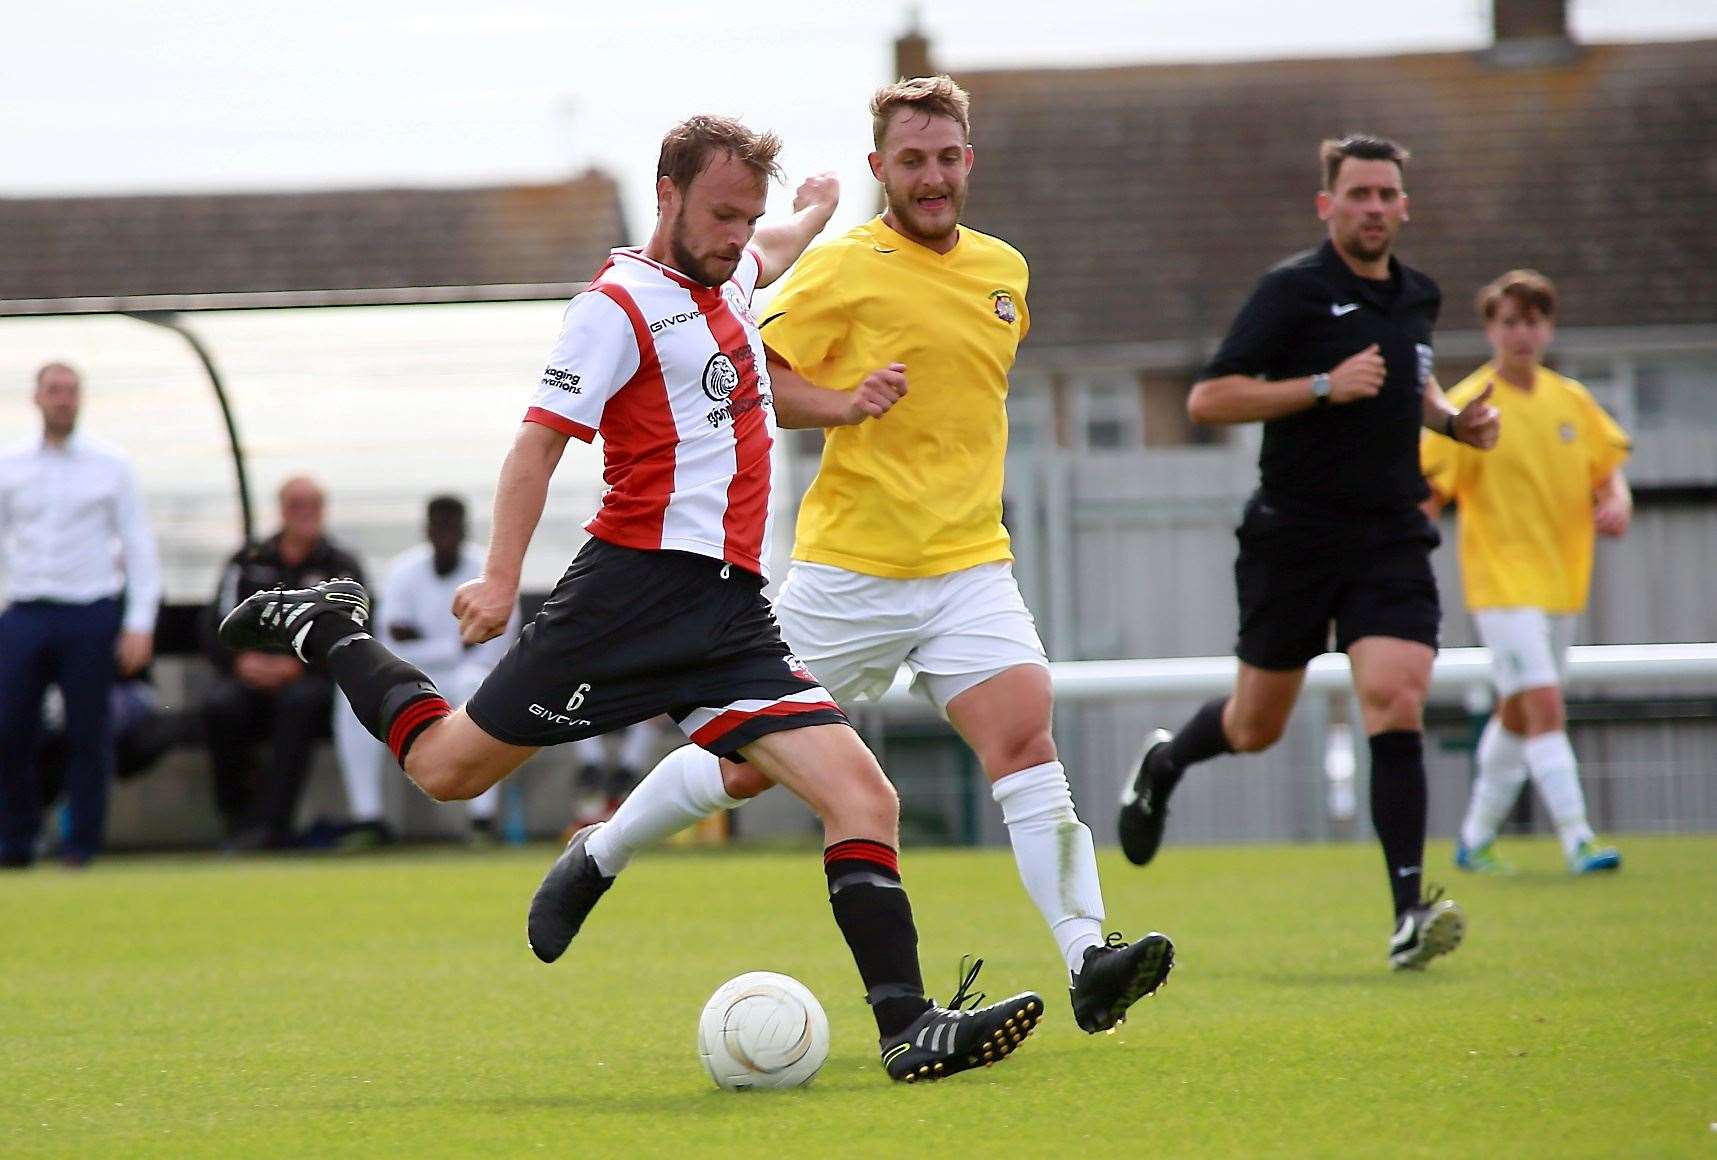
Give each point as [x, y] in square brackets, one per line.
[879, 391]
[484, 607]
[1359, 376]
[820, 193]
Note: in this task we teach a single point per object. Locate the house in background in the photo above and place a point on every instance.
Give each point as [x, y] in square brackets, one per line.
[101, 247]
[1149, 199]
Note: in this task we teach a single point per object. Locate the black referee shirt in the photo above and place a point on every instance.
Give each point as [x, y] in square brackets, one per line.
[1307, 315]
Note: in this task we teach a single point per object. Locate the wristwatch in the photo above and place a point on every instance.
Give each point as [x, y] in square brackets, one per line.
[1320, 389]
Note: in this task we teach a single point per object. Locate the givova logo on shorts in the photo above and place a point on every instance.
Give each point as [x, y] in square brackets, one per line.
[572, 706]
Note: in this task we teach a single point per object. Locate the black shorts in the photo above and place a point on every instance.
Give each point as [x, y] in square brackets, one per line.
[628, 635]
[1300, 572]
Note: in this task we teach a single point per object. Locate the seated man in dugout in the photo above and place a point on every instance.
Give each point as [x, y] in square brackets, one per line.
[269, 698]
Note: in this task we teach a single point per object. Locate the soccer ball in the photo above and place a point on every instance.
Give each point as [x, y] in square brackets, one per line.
[762, 1030]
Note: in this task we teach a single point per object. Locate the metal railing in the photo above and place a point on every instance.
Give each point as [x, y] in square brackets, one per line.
[1456, 670]
[1313, 784]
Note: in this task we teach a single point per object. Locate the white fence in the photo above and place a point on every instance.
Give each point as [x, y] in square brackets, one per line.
[1692, 666]
[1648, 755]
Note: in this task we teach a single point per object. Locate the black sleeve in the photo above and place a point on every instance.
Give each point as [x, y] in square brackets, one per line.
[227, 595]
[1259, 331]
[347, 564]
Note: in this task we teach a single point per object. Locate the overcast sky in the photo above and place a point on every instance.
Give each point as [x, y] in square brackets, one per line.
[230, 94]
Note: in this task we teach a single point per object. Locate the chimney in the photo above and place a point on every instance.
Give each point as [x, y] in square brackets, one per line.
[912, 50]
[1530, 34]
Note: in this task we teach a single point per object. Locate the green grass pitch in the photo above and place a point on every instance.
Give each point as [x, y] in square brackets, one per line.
[387, 1005]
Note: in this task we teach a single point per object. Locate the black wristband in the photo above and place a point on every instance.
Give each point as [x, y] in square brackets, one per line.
[1449, 426]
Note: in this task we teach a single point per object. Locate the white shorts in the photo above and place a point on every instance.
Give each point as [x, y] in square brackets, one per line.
[952, 632]
[1528, 647]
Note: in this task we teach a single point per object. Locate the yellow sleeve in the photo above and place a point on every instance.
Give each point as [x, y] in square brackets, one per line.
[1441, 460]
[806, 324]
[1607, 445]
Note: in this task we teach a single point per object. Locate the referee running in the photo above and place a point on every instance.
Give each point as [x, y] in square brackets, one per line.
[1333, 353]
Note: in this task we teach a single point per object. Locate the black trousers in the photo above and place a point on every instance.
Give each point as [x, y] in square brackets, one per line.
[288, 721]
[46, 643]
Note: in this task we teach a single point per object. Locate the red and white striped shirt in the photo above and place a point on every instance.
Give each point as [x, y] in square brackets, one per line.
[671, 373]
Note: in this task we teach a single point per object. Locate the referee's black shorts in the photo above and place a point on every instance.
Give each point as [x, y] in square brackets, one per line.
[1302, 572]
[628, 634]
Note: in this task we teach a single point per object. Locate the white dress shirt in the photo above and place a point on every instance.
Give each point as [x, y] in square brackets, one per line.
[414, 595]
[72, 528]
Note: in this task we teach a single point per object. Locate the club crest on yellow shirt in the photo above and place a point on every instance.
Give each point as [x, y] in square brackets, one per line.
[1004, 304]
[1566, 431]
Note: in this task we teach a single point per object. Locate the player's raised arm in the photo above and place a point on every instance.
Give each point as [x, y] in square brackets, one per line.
[484, 605]
[781, 244]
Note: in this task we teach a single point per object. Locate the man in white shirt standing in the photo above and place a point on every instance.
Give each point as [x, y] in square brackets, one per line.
[73, 542]
[417, 622]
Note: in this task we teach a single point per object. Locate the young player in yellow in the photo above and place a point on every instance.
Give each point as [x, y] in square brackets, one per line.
[901, 557]
[1528, 513]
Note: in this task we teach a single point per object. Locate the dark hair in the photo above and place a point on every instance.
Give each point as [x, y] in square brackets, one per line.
[446, 507]
[1333, 151]
[1531, 291]
[688, 147]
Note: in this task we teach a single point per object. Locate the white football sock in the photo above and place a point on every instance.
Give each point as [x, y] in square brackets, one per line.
[1556, 773]
[635, 745]
[483, 807]
[1056, 859]
[1501, 773]
[685, 787]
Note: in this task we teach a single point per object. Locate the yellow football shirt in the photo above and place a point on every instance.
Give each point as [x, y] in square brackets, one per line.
[919, 491]
[1526, 505]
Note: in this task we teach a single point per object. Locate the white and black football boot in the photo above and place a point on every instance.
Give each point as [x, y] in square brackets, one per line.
[1434, 927]
[1145, 801]
[962, 1035]
[278, 619]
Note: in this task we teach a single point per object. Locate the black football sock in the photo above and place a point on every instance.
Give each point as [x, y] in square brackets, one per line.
[1200, 739]
[393, 699]
[873, 912]
[1398, 810]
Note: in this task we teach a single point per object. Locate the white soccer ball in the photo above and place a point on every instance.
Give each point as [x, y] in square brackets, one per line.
[762, 1030]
